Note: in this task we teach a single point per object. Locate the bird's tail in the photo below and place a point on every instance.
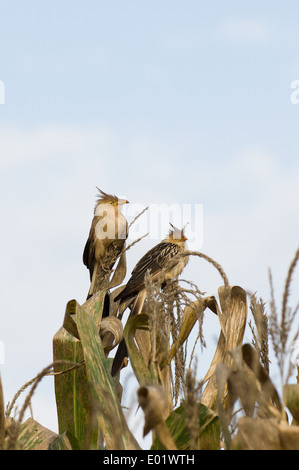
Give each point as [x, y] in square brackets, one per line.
[122, 350]
[92, 287]
[121, 353]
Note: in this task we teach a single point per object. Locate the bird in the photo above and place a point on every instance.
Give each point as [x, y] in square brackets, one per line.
[162, 264]
[106, 240]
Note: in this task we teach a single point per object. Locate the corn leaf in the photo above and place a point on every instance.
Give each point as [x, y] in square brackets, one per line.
[34, 436]
[291, 399]
[232, 319]
[208, 429]
[190, 317]
[103, 393]
[71, 388]
[64, 441]
[145, 373]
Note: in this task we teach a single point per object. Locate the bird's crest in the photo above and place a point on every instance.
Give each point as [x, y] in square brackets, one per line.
[176, 233]
[103, 197]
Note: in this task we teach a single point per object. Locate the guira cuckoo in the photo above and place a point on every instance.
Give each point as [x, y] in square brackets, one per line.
[107, 236]
[162, 264]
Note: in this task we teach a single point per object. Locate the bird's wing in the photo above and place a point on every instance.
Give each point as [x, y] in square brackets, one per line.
[152, 262]
[94, 246]
[89, 250]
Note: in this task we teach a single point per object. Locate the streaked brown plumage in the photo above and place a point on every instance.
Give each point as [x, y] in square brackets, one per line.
[107, 236]
[162, 264]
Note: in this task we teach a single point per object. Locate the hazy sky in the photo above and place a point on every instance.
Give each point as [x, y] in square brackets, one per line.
[158, 101]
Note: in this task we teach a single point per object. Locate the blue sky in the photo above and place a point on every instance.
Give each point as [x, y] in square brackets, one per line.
[158, 101]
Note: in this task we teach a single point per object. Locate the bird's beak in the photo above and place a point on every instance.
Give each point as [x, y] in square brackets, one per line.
[122, 201]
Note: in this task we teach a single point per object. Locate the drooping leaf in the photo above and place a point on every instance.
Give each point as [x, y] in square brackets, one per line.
[265, 434]
[65, 441]
[189, 319]
[145, 373]
[208, 429]
[111, 332]
[232, 319]
[34, 436]
[154, 403]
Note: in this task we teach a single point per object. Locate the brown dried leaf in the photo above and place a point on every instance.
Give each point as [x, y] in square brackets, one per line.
[232, 320]
[111, 333]
[291, 399]
[189, 319]
[34, 436]
[266, 434]
[120, 271]
[153, 401]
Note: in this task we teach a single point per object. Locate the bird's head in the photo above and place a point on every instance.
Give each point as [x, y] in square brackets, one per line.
[104, 198]
[177, 235]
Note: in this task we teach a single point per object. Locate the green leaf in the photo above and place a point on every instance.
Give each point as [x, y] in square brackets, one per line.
[34, 436]
[72, 388]
[65, 441]
[104, 398]
[208, 429]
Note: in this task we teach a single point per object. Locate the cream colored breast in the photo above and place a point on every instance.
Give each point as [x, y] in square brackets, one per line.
[106, 226]
[112, 224]
[176, 270]
[121, 223]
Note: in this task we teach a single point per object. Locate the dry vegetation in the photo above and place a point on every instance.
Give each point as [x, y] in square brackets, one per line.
[234, 406]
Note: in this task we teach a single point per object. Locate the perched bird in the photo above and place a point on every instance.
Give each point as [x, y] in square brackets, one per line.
[162, 264]
[107, 236]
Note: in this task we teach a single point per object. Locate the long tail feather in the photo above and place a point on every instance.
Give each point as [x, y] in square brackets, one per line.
[121, 353]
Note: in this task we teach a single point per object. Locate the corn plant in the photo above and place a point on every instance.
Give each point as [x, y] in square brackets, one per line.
[234, 406]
